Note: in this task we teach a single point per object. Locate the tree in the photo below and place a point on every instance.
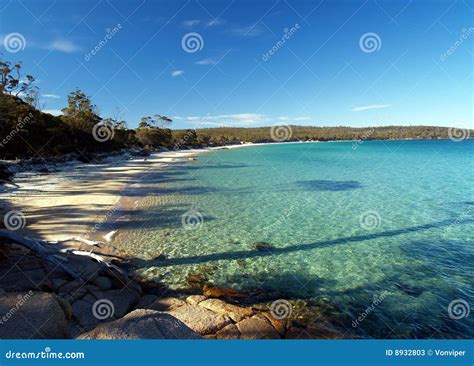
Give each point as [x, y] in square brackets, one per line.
[154, 136]
[80, 111]
[12, 81]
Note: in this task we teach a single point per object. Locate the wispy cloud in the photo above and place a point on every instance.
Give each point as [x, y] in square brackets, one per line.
[296, 119]
[372, 106]
[248, 31]
[63, 46]
[176, 73]
[215, 22]
[229, 119]
[207, 61]
[191, 22]
[52, 96]
[54, 112]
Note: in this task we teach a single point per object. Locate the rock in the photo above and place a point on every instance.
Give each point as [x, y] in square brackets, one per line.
[199, 319]
[213, 291]
[32, 315]
[195, 299]
[153, 302]
[262, 246]
[256, 328]
[236, 313]
[228, 332]
[143, 324]
[103, 283]
[17, 280]
[279, 324]
[83, 313]
[66, 306]
[409, 290]
[195, 280]
[58, 282]
[71, 286]
[123, 300]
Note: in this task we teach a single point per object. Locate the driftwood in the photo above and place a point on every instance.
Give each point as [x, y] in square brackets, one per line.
[50, 251]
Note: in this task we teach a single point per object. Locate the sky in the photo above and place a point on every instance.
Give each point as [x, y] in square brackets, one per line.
[251, 63]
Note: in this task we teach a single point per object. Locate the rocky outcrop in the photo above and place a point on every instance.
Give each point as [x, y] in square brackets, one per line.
[143, 324]
[110, 305]
[32, 315]
[199, 319]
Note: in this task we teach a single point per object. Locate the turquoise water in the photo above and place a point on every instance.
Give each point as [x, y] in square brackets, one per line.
[348, 223]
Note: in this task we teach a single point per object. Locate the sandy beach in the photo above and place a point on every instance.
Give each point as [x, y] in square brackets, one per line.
[69, 202]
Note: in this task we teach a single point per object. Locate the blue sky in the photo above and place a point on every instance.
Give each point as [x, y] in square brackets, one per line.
[355, 63]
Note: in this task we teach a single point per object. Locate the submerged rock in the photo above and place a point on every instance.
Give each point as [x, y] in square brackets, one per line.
[213, 291]
[262, 246]
[409, 290]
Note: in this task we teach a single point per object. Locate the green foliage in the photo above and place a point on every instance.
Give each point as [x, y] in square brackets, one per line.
[235, 135]
[154, 136]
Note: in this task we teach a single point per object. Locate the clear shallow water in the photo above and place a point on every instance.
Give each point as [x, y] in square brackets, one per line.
[348, 222]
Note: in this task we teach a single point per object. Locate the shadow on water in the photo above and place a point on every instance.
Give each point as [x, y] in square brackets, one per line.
[294, 248]
[328, 185]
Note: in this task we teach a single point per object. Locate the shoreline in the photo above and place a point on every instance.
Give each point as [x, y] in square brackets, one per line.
[75, 196]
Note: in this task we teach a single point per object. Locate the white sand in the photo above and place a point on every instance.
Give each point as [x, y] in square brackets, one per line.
[68, 203]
